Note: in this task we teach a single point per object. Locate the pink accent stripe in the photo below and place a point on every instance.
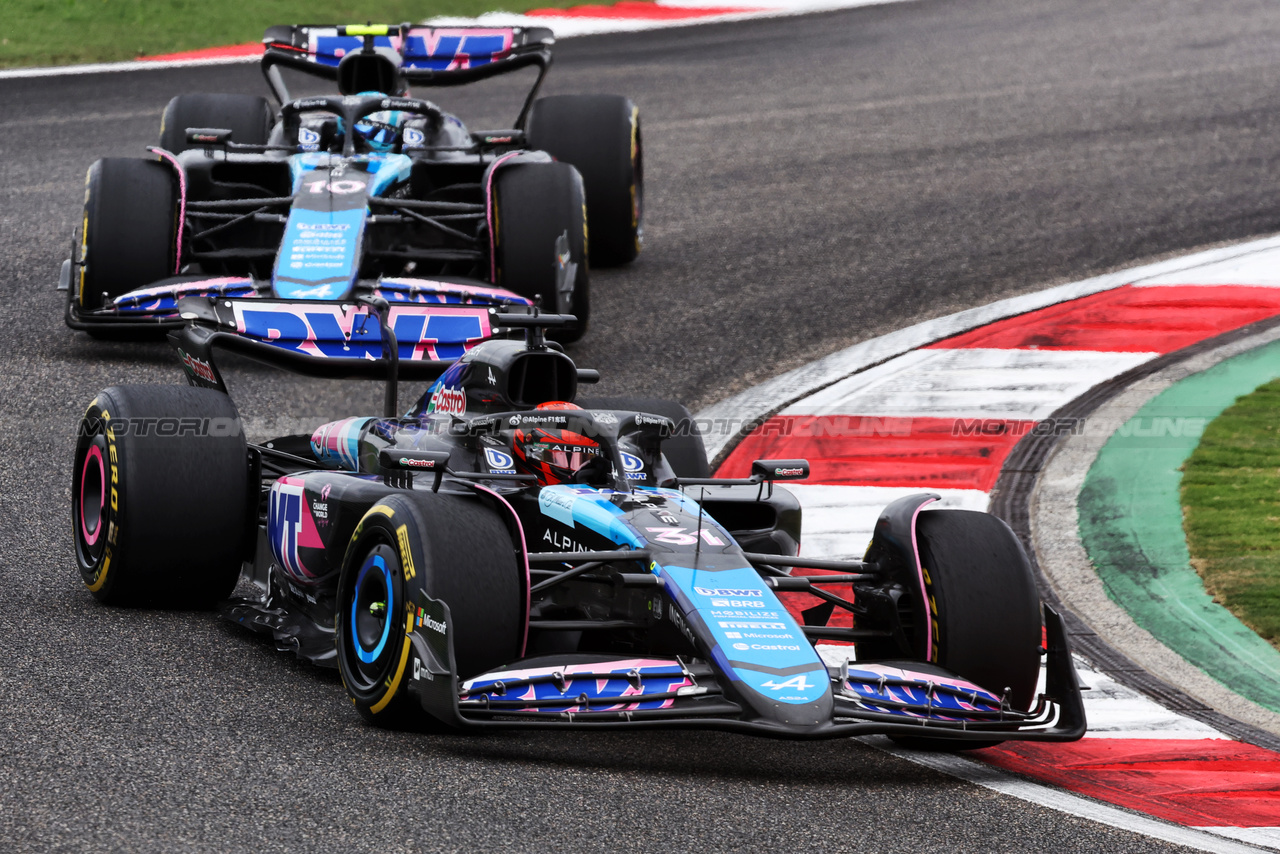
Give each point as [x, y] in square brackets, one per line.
[488, 202]
[524, 556]
[94, 452]
[915, 550]
[182, 200]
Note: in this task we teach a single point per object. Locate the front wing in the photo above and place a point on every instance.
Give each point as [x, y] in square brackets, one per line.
[655, 692]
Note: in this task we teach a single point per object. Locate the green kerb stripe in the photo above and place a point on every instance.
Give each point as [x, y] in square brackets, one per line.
[1131, 526]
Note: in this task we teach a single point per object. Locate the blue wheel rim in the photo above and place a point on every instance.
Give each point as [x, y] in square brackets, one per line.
[366, 655]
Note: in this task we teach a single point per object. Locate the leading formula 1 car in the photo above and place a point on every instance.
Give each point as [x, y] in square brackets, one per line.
[504, 554]
[367, 192]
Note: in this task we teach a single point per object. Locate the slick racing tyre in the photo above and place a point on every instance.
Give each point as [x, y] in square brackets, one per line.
[160, 496]
[248, 117]
[600, 135]
[684, 451]
[983, 609]
[452, 548]
[127, 238]
[540, 225]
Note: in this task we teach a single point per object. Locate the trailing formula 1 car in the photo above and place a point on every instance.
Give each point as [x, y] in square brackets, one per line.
[369, 191]
[507, 554]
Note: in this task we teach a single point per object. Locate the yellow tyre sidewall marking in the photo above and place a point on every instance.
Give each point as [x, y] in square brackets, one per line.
[100, 577]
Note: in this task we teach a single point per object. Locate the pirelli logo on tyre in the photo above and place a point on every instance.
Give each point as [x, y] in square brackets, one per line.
[406, 553]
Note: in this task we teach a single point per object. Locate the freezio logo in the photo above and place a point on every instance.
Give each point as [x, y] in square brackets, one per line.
[451, 401]
[499, 462]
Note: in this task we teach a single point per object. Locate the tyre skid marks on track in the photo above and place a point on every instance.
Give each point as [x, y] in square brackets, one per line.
[1020, 367]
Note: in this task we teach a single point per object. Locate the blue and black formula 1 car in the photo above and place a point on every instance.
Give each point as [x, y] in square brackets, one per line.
[301, 207]
[506, 554]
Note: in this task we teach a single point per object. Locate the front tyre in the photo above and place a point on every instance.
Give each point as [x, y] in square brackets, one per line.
[160, 496]
[451, 548]
[128, 236]
[983, 609]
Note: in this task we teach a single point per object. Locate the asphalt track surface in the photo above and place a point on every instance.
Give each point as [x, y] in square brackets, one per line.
[812, 182]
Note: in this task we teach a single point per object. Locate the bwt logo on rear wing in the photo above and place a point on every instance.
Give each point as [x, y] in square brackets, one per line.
[329, 330]
[426, 47]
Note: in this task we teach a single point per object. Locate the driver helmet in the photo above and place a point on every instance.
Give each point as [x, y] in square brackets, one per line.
[551, 454]
[381, 130]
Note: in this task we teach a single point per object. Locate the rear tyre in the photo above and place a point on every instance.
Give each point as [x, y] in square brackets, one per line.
[984, 611]
[127, 238]
[685, 451]
[600, 135]
[537, 207]
[160, 492]
[248, 117]
[452, 548]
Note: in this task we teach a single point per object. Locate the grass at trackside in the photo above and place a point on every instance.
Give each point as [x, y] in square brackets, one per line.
[61, 32]
[1231, 509]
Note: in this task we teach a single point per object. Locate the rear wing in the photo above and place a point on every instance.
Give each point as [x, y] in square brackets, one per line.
[426, 56]
[367, 337]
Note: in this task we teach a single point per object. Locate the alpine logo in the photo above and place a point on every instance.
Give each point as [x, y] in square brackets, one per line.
[451, 401]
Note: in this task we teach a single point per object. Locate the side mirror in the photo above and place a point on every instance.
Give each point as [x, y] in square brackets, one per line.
[762, 470]
[391, 459]
[208, 137]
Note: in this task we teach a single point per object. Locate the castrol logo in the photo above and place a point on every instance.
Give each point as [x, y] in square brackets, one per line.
[452, 401]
